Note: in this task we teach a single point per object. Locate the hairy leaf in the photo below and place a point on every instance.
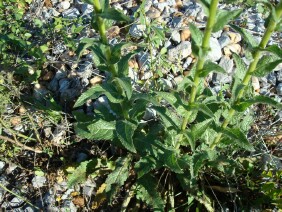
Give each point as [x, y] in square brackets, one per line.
[117, 178]
[125, 131]
[98, 130]
[264, 66]
[114, 14]
[91, 93]
[147, 191]
[223, 17]
[197, 37]
[241, 68]
[274, 49]
[239, 138]
[125, 84]
[145, 165]
[201, 107]
[209, 67]
[243, 105]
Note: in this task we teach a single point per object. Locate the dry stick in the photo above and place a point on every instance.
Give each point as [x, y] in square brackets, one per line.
[202, 59]
[271, 27]
[20, 144]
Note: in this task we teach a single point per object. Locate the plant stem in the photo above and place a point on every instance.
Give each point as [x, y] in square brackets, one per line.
[202, 59]
[270, 28]
[103, 35]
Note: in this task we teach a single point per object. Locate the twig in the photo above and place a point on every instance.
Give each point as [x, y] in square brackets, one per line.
[20, 144]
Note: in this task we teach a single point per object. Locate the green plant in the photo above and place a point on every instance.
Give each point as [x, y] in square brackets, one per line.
[186, 140]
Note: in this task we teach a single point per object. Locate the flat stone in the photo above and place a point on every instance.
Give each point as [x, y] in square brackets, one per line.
[149, 114]
[143, 60]
[271, 78]
[215, 53]
[227, 64]
[234, 37]
[175, 36]
[2, 165]
[137, 30]
[255, 83]
[224, 40]
[180, 52]
[185, 34]
[71, 13]
[219, 79]
[38, 181]
[279, 76]
[64, 5]
[279, 89]
[153, 13]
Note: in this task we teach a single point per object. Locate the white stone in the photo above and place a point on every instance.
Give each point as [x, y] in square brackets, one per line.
[227, 64]
[180, 52]
[175, 36]
[38, 181]
[279, 89]
[137, 30]
[215, 52]
[64, 5]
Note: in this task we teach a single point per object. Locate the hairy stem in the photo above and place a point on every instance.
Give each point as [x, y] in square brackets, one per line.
[103, 34]
[270, 28]
[202, 59]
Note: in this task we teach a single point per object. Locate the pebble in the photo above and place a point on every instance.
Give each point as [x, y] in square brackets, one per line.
[143, 60]
[227, 64]
[165, 84]
[180, 52]
[279, 76]
[2, 165]
[215, 53]
[96, 80]
[279, 89]
[175, 36]
[185, 34]
[38, 181]
[86, 9]
[64, 5]
[224, 40]
[153, 13]
[255, 83]
[137, 30]
[271, 78]
[71, 13]
[81, 157]
[149, 114]
[234, 37]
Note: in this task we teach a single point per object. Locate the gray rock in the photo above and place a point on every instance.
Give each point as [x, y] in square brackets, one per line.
[187, 62]
[59, 48]
[161, 6]
[68, 206]
[175, 36]
[217, 34]
[270, 160]
[143, 59]
[149, 114]
[60, 74]
[278, 67]
[53, 85]
[221, 79]
[271, 78]
[147, 75]
[14, 203]
[86, 9]
[176, 22]
[38, 181]
[64, 84]
[165, 84]
[224, 40]
[71, 13]
[64, 5]
[279, 89]
[215, 53]
[227, 64]
[2, 165]
[85, 70]
[137, 30]
[180, 52]
[132, 74]
[279, 76]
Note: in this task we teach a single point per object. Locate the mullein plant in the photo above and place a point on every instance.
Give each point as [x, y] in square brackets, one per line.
[192, 132]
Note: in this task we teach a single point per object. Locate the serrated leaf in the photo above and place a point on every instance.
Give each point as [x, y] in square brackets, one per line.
[197, 162]
[209, 67]
[223, 17]
[199, 128]
[79, 175]
[125, 131]
[191, 140]
[244, 104]
[125, 84]
[201, 107]
[169, 119]
[147, 191]
[122, 65]
[145, 165]
[275, 49]
[114, 14]
[117, 178]
[83, 45]
[241, 68]
[98, 130]
[99, 57]
[112, 93]
[116, 52]
[91, 93]
[171, 161]
[196, 38]
[248, 37]
[239, 138]
[265, 67]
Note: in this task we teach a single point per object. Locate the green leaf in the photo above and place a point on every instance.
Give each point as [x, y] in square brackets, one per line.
[197, 38]
[112, 93]
[171, 161]
[199, 128]
[239, 138]
[116, 51]
[122, 65]
[264, 67]
[223, 17]
[201, 107]
[198, 161]
[98, 130]
[79, 175]
[275, 49]
[114, 14]
[83, 45]
[147, 191]
[241, 68]
[91, 93]
[125, 84]
[99, 57]
[209, 67]
[117, 178]
[125, 131]
[244, 104]
[145, 165]
[206, 5]
[168, 118]
[248, 37]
